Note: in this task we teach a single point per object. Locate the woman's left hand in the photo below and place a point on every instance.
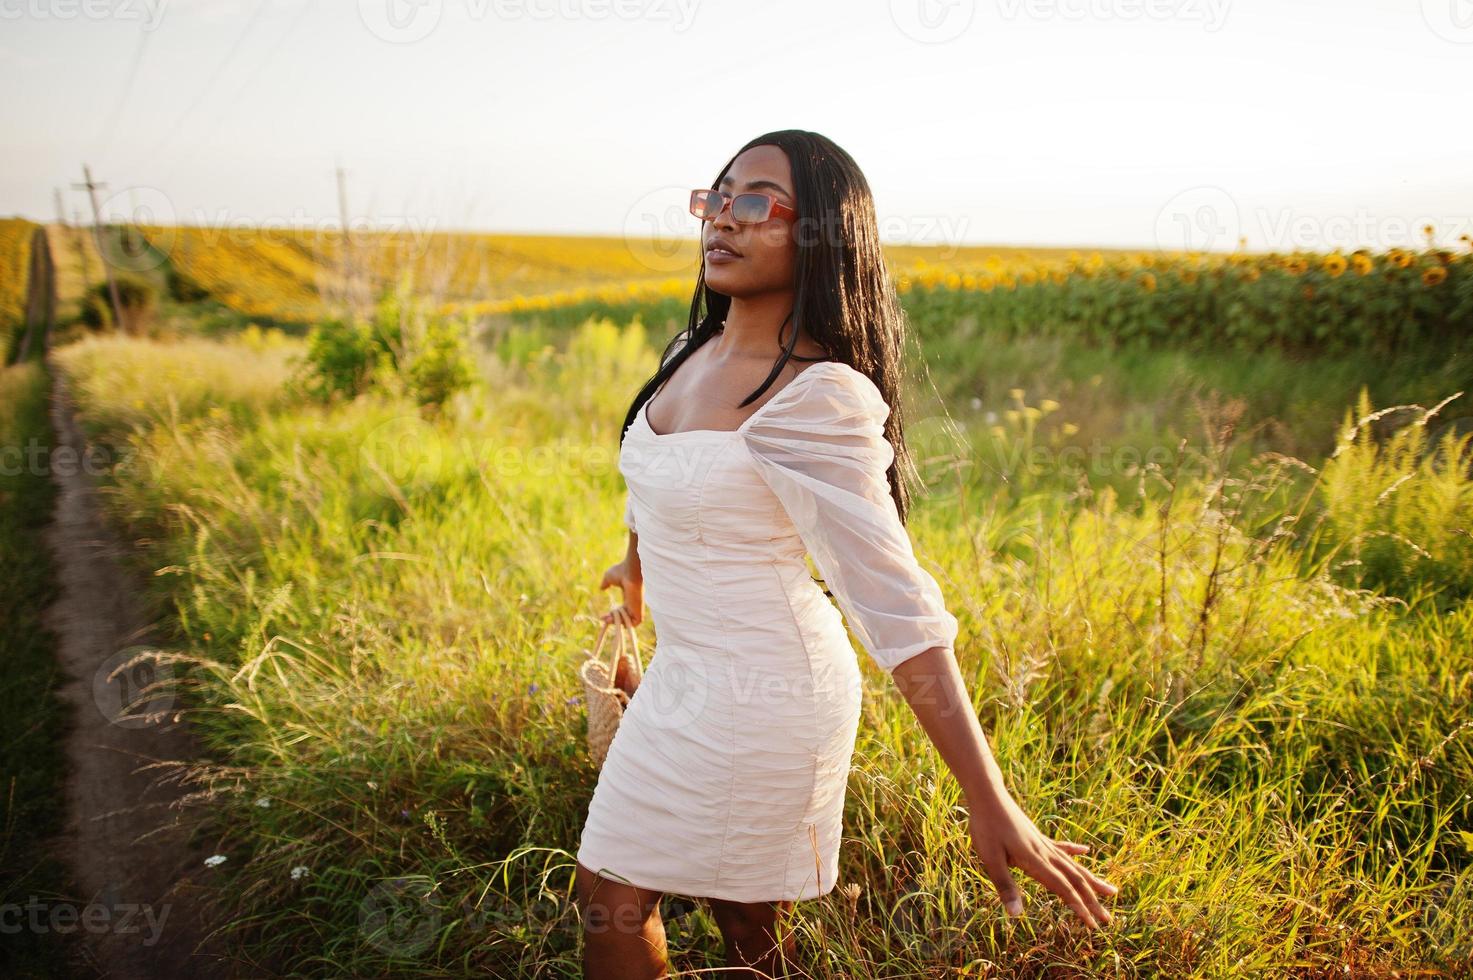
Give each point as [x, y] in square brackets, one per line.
[1004, 837]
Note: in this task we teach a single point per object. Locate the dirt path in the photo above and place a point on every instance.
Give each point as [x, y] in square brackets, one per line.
[138, 912]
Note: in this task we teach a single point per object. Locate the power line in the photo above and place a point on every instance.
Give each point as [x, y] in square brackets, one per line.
[112, 119]
[175, 130]
[195, 145]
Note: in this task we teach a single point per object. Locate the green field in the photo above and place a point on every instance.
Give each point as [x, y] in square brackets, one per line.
[1240, 687]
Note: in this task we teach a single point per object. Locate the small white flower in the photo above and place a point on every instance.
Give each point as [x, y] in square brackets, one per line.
[263, 802]
[299, 871]
[214, 860]
[372, 784]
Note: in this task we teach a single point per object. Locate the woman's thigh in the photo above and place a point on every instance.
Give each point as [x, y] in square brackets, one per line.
[609, 905]
[739, 918]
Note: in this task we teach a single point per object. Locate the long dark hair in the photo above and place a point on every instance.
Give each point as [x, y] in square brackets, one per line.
[843, 294]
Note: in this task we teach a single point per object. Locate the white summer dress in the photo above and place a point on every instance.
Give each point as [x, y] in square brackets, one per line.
[727, 775]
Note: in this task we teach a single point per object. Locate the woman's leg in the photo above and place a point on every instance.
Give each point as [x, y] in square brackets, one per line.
[623, 936]
[749, 929]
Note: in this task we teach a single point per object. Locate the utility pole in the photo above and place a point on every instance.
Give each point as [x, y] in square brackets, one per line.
[92, 187]
[80, 245]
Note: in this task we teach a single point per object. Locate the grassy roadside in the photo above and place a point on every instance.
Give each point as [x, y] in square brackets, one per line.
[383, 616]
[32, 715]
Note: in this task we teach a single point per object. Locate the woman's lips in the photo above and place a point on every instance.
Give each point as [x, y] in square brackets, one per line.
[720, 256]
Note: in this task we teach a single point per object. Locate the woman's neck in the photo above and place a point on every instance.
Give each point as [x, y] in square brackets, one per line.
[758, 326]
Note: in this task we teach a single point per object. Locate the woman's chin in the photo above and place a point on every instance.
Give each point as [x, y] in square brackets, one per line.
[724, 280]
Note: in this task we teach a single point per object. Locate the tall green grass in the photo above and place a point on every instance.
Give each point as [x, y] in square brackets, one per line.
[382, 616]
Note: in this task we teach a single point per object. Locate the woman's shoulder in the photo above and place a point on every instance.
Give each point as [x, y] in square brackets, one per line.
[850, 382]
[826, 392]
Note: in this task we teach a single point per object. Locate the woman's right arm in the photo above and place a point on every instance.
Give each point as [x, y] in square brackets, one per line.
[629, 577]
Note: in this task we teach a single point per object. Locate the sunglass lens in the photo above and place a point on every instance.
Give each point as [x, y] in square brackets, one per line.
[705, 204]
[751, 207]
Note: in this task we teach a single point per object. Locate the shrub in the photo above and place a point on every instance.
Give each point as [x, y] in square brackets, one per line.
[137, 297]
[402, 347]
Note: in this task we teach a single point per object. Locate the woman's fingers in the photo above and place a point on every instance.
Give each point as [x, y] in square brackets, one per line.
[1100, 884]
[1094, 881]
[621, 614]
[1084, 883]
[995, 865]
[1055, 879]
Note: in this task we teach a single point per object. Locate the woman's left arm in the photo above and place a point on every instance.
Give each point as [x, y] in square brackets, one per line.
[825, 456]
[1002, 835]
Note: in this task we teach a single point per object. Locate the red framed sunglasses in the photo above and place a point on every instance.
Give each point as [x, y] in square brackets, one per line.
[747, 208]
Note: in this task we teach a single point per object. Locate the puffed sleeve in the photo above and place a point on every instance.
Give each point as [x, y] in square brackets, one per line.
[823, 452]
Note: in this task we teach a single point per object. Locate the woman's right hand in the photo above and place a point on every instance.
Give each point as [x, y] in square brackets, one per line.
[631, 585]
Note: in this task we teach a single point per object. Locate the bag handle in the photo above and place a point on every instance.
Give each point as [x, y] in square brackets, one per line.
[618, 650]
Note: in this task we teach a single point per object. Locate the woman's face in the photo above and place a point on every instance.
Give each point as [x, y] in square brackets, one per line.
[765, 252]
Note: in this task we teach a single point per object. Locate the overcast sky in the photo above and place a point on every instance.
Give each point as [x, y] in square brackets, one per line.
[1293, 123]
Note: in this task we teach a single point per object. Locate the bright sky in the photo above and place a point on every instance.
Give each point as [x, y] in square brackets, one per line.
[1294, 123]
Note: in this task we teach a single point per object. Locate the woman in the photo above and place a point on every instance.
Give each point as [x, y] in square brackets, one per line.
[772, 429]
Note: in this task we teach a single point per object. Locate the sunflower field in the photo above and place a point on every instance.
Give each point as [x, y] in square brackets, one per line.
[1385, 302]
[15, 261]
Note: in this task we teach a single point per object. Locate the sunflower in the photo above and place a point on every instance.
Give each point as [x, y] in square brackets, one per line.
[1434, 276]
[1335, 265]
[1362, 263]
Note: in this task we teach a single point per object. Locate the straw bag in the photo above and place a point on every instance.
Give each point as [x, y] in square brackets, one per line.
[608, 684]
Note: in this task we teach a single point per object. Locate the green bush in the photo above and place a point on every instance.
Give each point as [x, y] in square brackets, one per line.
[402, 347]
[442, 365]
[137, 297]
